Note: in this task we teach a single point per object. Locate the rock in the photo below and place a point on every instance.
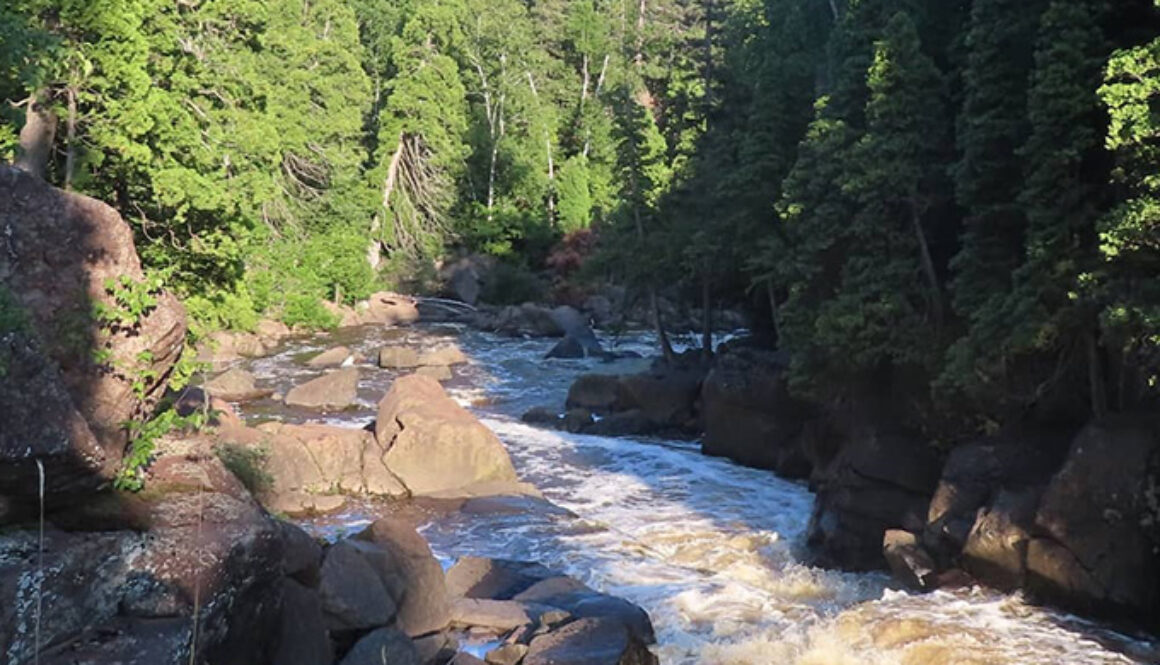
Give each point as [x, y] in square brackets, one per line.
[330, 358]
[302, 560]
[995, 551]
[224, 347]
[390, 309]
[508, 654]
[423, 607]
[301, 504]
[437, 372]
[588, 642]
[569, 595]
[302, 634]
[435, 649]
[879, 481]
[909, 563]
[235, 385]
[498, 616]
[434, 446]
[205, 536]
[567, 348]
[335, 391]
[512, 505]
[464, 658]
[40, 421]
[749, 415]
[497, 579]
[59, 254]
[1100, 522]
[442, 356]
[385, 646]
[623, 423]
[464, 278]
[595, 392]
[975, 472]
[540, 415]
[528, 319]
[271, 331]
[666, 396]
[398, 357]
[599, 309]
[353, 597]
[347, 316]
[576, 420]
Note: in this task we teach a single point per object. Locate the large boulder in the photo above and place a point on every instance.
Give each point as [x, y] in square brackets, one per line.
[976, 473]
[1099, 522]
[305, 464]
[334, 391]
[392, 309]
[749, 415]
[302, 633]
[667, 396]
[879, 481]
[596, 392]
[70, 263]
[434, 446]
[422, 598]
[353, 595]
[995, 551]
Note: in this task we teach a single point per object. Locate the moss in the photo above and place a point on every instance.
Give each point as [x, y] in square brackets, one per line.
[248, 464]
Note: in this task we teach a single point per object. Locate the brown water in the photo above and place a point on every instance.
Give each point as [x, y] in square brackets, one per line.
[712, 550]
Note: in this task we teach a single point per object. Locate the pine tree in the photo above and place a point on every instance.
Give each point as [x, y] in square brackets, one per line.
[989, 174]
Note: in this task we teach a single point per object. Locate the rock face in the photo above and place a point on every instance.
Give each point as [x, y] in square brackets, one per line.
[383, 308]
[749, 415]
[330, 392]
[435, 446]
[64, 256]
[589, 642]
[879, 481]
[1099, 522]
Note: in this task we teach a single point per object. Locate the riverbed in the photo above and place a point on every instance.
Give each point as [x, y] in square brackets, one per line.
[712, 550]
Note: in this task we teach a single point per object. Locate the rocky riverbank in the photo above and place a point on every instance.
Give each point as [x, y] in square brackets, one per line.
[195, 566]
[1068, 515]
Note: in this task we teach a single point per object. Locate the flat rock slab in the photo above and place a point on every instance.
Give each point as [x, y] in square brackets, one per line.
[330, 392]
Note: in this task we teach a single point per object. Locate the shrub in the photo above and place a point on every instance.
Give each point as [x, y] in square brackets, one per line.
[508, 284]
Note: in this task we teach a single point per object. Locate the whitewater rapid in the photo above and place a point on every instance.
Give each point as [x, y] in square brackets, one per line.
[713, 551]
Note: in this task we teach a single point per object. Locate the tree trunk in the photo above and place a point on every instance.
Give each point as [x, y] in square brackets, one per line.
[706, 318]
[37, 136]
[374, 249]
[775, 312]
[551, 163]
[927, 266]
[1096, 381]
[71, 154]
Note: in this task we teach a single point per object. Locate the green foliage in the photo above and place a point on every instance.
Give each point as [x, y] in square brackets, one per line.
[509, 284]
[248, 464]
[132, 300]
[143, 438]
[306, 310]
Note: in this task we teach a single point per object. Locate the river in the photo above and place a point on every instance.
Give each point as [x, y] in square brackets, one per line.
[713, 551]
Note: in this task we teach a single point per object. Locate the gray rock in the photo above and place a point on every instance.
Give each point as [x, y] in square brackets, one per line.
[508, 654]
[330, 358]
[910, 563]
[353, 596]
[424, 607]
[302, 634]
[383, 646]
[588, 642]
[398, 357]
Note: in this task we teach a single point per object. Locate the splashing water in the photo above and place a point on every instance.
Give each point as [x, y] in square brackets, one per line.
[711, 550]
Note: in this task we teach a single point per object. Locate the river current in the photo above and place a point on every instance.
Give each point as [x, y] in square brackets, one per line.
[713, 551]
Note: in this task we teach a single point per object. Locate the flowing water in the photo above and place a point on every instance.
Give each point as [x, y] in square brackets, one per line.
[713, 551]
